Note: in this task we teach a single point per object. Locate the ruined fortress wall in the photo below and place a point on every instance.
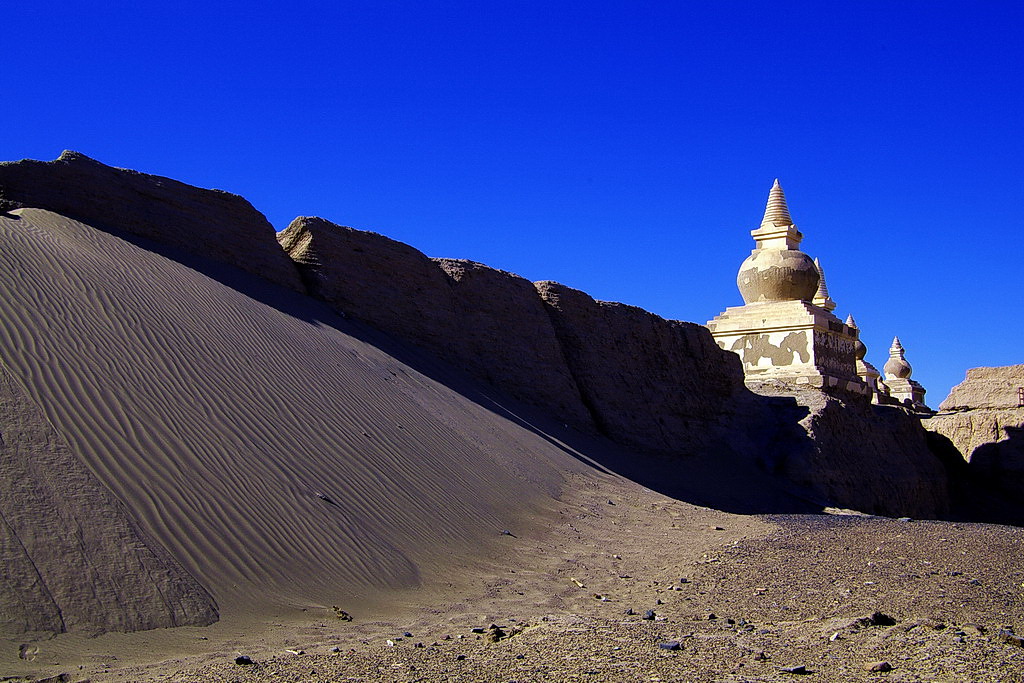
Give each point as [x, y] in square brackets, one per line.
[214, 224]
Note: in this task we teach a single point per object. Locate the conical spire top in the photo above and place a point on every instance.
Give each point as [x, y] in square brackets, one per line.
[850, 322]
[776, 213]
[821, 297]
[896, 348]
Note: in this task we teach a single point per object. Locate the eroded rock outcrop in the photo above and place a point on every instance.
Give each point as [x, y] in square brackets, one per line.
[488, 322]
[213, 224]
[649, 382]
[982, 421]
[72, 560]
[841, 451]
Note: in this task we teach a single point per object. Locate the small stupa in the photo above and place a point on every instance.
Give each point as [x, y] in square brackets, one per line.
[867, 372]
[786, 330]
[897, 378]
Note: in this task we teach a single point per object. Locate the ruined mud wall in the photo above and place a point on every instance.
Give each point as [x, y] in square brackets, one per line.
[981, 420]
[844, 452]
[213, 224]
[658, 384]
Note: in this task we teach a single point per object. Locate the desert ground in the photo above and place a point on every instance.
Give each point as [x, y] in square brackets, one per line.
[743, 597]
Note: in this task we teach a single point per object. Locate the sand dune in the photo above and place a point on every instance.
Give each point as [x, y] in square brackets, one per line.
[271, 452]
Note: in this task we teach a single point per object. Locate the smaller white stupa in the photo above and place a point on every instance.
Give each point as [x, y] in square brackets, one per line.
[897, 378]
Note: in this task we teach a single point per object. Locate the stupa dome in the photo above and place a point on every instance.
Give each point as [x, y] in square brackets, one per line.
[897, 366]
[777, 275]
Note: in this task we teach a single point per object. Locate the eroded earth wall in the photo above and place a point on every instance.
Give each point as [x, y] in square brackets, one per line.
[981, 419]
[214, 224]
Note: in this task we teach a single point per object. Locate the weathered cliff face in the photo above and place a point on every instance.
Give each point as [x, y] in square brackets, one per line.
[72, 560]
[986, 388]
[374, 278]
[213, 224]
[505, 337]
[986, 427]
[649, 382]
[844, 452]
[490, 323]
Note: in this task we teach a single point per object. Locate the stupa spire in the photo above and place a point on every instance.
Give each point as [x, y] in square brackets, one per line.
[821, 297]
[776, 212]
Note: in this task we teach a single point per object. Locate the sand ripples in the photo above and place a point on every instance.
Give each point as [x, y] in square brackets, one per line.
[262, 449]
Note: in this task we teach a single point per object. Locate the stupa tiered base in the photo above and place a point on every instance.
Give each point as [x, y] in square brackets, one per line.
[792, 341]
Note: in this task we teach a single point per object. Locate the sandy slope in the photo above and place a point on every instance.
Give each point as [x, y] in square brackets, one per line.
[276, 456]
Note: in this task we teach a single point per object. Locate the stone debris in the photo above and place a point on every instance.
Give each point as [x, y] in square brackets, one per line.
[649, 615]
[878, 667]
[1010, 638]
[875, 619]
[243, 660]
[799, 670]
[671, 645]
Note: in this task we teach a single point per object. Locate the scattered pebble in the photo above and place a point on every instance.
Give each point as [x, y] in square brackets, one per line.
[1010, 638]
[799, 669]
[878, 666]
[649, 615]
[670, 645]
[243, 660]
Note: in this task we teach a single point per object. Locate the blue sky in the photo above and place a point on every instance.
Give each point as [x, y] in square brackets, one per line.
[625, 149]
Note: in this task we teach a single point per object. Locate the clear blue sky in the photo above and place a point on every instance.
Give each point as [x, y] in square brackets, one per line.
[625, 149]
